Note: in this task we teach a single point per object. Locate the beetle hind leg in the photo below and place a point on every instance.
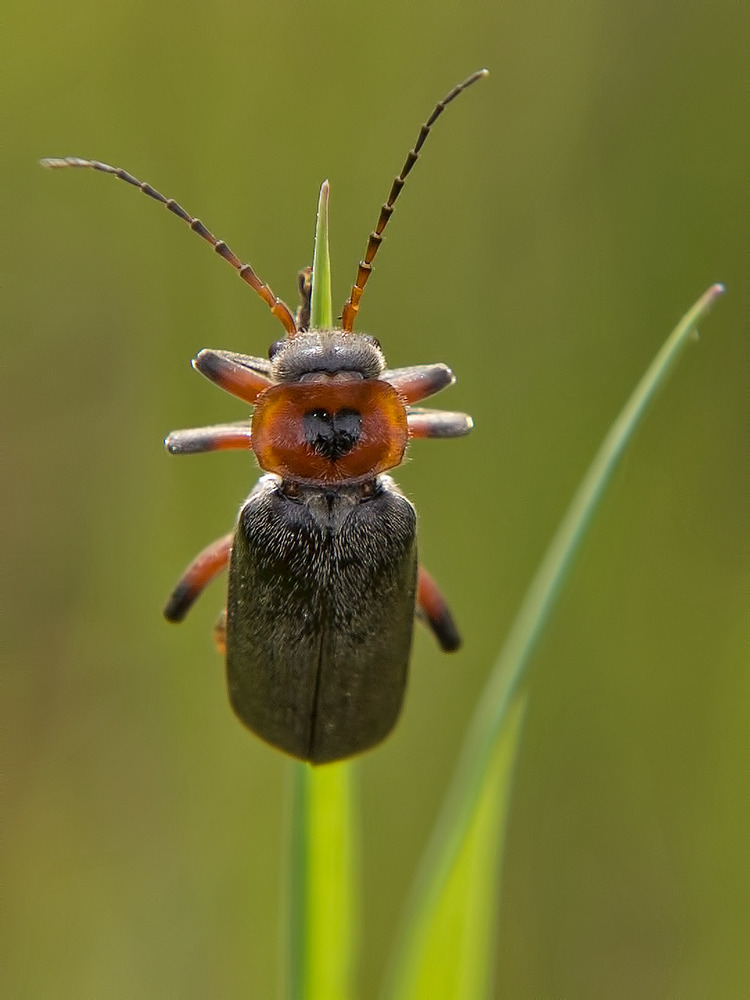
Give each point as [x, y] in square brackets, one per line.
[201, 571]
[220, 633]
[435, 613]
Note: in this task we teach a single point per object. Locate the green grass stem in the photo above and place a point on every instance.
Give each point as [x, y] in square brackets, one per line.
[323, 921]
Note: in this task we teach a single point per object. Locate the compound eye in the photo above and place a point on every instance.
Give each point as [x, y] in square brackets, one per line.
[275, 348]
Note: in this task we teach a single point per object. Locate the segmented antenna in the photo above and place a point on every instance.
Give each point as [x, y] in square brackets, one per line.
[277, 306]
[351, 307]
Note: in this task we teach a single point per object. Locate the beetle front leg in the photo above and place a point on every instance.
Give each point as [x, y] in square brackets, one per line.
[201, 571]
[433, 610]
[241, 374]
[218, 437]
[425, 423]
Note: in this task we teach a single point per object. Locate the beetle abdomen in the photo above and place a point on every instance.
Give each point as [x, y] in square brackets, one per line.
[320, 616]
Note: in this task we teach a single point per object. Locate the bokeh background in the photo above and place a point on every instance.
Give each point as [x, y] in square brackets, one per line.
[565, 214]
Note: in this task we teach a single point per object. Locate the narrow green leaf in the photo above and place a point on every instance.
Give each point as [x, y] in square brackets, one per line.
[452, 939]
[321, 306]
[322, 918]
[497, 723]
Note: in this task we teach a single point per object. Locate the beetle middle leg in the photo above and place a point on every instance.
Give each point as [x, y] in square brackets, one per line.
[217, 437]
[433, 610]
[424, 423]
[206, 565]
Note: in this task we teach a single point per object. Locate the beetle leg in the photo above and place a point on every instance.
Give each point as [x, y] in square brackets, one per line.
[433, 610]
[218, 437]
[419, 381]
[425, 423]
[220, 633]
[206, 565]
[240, 374]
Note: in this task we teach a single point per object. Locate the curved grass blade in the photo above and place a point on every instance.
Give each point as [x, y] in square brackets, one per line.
[453, 934]
[425, 945]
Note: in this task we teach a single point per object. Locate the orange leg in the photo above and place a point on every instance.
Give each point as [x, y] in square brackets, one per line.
[210, 562]
[437, 423]
[433, 610]
[240, 374]
[220, 633]
[218, 437]
[419, 381]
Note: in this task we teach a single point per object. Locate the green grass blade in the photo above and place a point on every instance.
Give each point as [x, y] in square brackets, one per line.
[424, 946]
[454, 934]
[322, 935]
[321, 307]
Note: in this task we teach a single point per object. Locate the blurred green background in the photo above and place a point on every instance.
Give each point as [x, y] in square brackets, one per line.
[566, 212]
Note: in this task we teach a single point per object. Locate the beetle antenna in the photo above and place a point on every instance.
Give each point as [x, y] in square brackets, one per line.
[280, 310]
[364, 270]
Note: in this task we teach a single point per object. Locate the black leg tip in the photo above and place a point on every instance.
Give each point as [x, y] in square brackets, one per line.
[179, 603]
[447, 634]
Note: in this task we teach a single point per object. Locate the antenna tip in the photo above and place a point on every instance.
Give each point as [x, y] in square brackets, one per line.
[476, 75]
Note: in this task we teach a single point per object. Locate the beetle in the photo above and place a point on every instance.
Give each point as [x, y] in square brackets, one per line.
[324, 581]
